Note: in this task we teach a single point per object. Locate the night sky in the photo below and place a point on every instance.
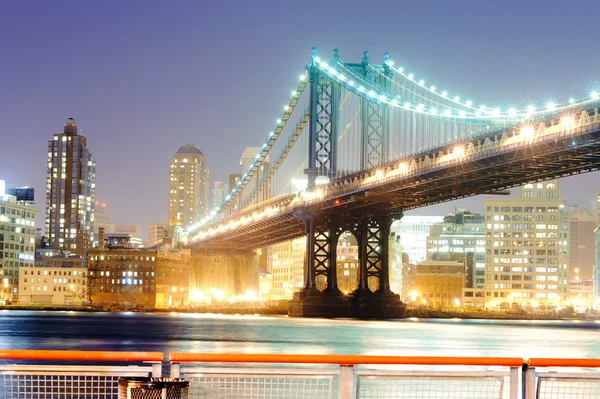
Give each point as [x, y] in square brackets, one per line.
[142, 78]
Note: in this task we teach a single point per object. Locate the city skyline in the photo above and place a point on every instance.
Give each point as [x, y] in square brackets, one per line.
[161, 76]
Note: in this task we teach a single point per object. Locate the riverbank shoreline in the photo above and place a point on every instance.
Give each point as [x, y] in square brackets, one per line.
[418, 313]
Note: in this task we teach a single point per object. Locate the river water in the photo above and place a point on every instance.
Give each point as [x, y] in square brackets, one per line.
[280, 334]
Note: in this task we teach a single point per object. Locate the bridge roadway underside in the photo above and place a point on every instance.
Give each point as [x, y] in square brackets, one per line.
[545, 160]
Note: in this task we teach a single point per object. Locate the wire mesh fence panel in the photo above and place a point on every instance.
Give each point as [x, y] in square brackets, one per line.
[259, 386]
[71, 382]
[18, 386]
[429, 387]
[566, 388]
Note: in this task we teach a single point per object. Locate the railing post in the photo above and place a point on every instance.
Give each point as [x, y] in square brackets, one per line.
[346, 382]
[157, 370]
[514, 383]
[175, 370]
[529, 383]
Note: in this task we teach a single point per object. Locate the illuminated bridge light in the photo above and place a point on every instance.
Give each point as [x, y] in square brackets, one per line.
[594, 95]
[371, 93]
[407, 105]
[379, 174]
[421, 82]
[444, 93]
[286, 107]
[571, 100]
[478, 114]
[341, 77]
[411, 76]
[433, 111]
[459, 151]
[469, 103]
[495, 112]
[447, 112]
[550, 106]
[462, 114]
[531, 109]
[457, 98]
[403, 167]
[294, 93]
[303, 77]
[394, 102]
[432, 88]
[527, 132]
[512, 112]
[568, 123]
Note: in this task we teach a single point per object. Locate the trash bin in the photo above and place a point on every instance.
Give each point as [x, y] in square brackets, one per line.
[153, 388]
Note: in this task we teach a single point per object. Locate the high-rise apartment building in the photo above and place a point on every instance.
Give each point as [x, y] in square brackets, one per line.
[70, 191]
[219, 193]
[188, 186]
[460, 237]
[17, 242]
[527, 242]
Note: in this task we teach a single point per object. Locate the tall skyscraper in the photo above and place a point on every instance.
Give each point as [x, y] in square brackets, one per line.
[219, 193]
[70, 191]
[188, 186]
[527, 241]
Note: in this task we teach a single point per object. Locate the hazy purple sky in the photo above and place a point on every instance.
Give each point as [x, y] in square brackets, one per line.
[144, 77]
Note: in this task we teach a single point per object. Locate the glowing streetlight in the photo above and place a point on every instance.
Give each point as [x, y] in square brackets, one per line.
[456, 302]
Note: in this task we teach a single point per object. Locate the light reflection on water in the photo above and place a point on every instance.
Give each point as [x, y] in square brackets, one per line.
[267, 334]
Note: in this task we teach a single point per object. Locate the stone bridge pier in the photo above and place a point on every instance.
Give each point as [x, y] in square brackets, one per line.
[234, 272]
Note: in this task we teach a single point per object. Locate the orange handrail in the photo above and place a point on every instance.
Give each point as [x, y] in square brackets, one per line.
[350, 360]
[558, 362]
[81, 355]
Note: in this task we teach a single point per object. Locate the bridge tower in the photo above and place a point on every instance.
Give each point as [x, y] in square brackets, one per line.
[325, 226]
[323, 125]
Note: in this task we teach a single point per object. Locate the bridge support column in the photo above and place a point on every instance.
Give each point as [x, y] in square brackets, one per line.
[321, 246]
[372, 298]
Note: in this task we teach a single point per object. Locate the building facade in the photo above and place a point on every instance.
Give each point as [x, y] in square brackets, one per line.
[70, 191]
[150, 278]
[413, 231]
[527, 248]
[155, 233]
[53, 285]
[287, 268]
[582, 242]
[17, 242]
[188, 187]
[460, 237]
[439, 283]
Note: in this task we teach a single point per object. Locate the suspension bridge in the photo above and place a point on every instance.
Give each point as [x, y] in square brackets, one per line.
[357, 144]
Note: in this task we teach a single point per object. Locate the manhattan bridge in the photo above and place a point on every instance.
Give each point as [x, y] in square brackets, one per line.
[357, 144]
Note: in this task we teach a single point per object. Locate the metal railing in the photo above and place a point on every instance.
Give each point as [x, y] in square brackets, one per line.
[344, 376]
[86, 374]
[72, 374]
[562, 378]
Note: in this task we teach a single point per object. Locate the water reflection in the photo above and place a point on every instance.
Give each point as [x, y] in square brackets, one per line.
[269, 334]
